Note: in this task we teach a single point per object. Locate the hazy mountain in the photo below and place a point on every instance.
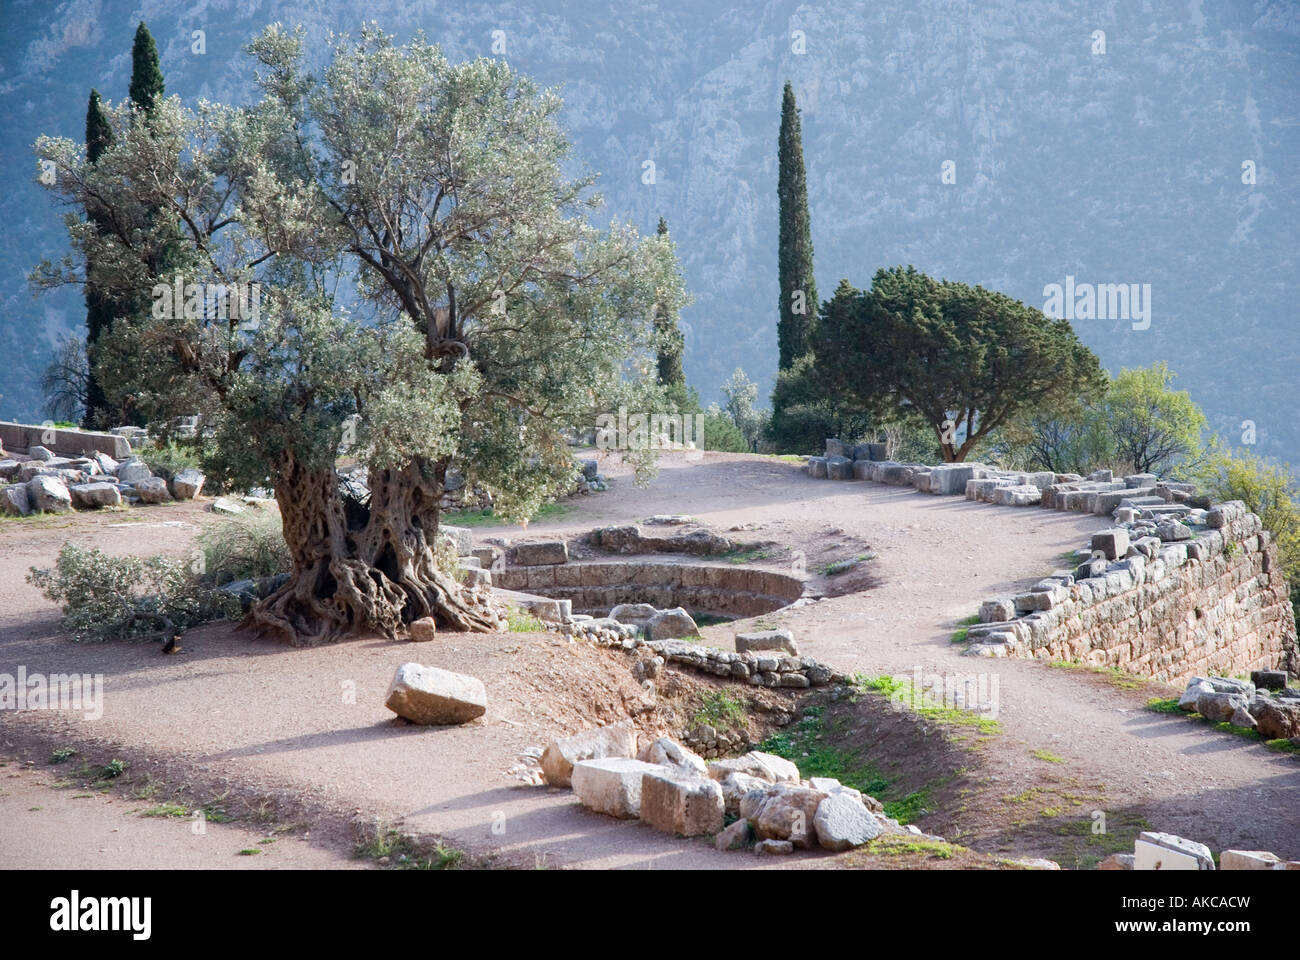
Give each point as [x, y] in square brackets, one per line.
[1115, 167]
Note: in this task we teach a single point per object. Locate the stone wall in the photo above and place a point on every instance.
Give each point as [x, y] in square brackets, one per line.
[1175, 588]
[1213, 605]
[595, 587]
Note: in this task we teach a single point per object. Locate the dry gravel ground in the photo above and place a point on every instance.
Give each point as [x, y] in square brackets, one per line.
[304, 734]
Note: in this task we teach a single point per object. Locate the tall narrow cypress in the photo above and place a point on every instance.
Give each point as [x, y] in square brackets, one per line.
[146, 75]
[798, 307]
[671, 343]
[99, 308]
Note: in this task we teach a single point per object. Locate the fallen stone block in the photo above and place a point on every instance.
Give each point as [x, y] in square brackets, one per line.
[1250, 860]
[787, 812]
[611, 785]
[187, 484]
[998, 610]
[1117, 861]
[842, 823]
[133, 471]
[767, 640]
[685, 806]
[423, 630]
[152, 490]
[429, 695]
[671, 625]
[773, 848]
[1276, 719]
[816, 467]
[462, 538]
[1019, 495]
[1220, 707]
[1269, 679]
[764, 766]
[611, 740]
[88, 496]
[48, 494]
[734, 788]
[734, 837]
[1164, 851]
[668, 754]
[14, 500]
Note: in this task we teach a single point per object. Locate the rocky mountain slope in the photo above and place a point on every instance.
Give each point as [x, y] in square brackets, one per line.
[1117, 167]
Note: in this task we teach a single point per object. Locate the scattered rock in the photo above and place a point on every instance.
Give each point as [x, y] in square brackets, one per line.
[15, 501]
[612, 740]
[1117, 861]
[187, 484]
[671, 625]
[538, 554]
[686, 806]
[773, 847]
[423, 630]
[664, 752]
[48, 494]
[734, 837]
[786, 813]
[1165, 851]
[429, 695]
[88, 496]
[842, 823]
[152, 490]
[763, 766]
[767, 640]
[611, 785]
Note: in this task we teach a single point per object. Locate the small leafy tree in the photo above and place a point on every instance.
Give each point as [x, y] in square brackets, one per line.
[1152, 426]
[1268, 489]
[741, 394]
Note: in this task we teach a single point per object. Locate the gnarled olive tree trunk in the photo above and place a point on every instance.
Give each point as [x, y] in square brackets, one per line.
[375, 574]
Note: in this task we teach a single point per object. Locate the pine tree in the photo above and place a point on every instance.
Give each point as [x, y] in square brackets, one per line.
[798, 307]
[146, 76]
[99, 308]
[669, 339]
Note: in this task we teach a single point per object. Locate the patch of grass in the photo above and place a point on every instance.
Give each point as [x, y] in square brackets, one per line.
[62, 755]
[721, 711]
[520, 621]
[896, 845]
[167, 810]
[844, 566]
[742, 555]
[901, 691]
[487, 517]
[406, 853]
[1159, 705]
[800, 744]
[964, 628]
[1114, 675]
[788, 457]
[114, 768]
[249, 852]
[1047, 757]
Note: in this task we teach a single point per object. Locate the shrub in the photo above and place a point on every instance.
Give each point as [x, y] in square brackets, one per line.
[168, 458]
[119, 598]
[1269, 490]
[245, 546]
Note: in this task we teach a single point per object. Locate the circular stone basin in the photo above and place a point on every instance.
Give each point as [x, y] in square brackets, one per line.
[594, 587]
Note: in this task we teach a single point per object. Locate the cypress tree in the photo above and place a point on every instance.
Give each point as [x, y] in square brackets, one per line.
[670, 342]
[99, 308]
[146, 76]
[798, 307]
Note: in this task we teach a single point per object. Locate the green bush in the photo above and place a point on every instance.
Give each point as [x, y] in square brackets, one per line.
[245, 546]
[166, 459]
[122, 598]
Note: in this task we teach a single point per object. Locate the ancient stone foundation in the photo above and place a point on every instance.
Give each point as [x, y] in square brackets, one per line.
[595, 587]
[1172, 588]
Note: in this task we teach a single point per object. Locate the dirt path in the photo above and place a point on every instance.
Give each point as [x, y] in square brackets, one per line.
[254, 712]
[51, 827]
